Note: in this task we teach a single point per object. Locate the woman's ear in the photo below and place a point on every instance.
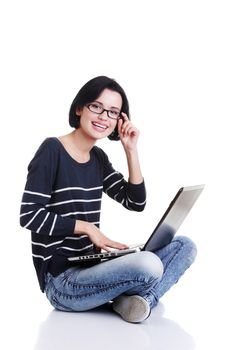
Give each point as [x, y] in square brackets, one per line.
[78, 111]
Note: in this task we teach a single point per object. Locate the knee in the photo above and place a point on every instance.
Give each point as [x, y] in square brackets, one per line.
[188, 246]
[149, 263]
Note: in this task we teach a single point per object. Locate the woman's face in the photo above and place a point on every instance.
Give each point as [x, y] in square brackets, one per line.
[98, 126]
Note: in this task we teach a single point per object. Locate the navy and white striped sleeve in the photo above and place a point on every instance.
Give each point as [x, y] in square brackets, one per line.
[34, 214]
[131, 196]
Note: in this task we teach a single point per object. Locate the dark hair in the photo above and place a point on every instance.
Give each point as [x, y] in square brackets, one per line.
[89, 93]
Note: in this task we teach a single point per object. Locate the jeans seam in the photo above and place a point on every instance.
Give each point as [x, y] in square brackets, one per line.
[173, 257]
[104, 288]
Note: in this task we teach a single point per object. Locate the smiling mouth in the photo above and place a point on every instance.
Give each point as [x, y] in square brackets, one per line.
[97, 125]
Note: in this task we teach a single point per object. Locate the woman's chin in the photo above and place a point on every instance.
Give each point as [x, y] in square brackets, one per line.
[100, 135]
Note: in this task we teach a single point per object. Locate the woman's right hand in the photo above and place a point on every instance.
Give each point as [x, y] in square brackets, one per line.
[96, 236]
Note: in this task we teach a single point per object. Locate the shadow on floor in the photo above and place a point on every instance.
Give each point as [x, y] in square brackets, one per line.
[100, 327]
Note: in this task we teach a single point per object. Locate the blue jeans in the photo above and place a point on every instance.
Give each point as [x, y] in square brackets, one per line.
[147, 274]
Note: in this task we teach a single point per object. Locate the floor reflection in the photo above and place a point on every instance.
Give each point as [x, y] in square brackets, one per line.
[99, 327]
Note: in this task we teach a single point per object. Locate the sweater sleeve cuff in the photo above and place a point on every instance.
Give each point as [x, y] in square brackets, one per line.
[137, 191]
[65, 227]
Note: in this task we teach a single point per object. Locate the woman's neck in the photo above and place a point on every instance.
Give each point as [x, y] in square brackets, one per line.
[78, 145]
[83, 143]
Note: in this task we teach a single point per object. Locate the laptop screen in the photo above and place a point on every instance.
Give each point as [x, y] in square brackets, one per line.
[173, 217]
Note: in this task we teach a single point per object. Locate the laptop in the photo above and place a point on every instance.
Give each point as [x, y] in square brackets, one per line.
[163, 233]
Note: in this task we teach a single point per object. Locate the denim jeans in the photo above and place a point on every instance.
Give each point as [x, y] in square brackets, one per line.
[147, 274]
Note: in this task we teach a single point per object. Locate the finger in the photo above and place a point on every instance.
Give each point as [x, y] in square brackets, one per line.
[125, 125]
[98, 249]
[118, 245]
[106, 248]
[123, 246]
[120, 122]
[126, 122]
[124, 115]
[129, 130]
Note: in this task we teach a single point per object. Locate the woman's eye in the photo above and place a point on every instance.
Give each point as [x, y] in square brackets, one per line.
[114, 112]
[95, 106]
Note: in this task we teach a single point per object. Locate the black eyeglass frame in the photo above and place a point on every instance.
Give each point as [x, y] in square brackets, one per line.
[103, 109]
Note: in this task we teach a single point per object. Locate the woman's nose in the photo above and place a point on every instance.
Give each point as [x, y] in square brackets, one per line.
[103, 115]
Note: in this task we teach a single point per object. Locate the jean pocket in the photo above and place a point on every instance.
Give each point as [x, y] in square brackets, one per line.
[57, 305]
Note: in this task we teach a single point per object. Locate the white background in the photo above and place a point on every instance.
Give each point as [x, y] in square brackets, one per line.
[174, 60]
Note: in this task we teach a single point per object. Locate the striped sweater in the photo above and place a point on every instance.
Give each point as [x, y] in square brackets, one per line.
[59, 191]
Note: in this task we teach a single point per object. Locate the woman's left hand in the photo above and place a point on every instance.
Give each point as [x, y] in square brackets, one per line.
[128, 133]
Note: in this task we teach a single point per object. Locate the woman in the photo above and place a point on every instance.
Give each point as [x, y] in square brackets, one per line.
[61, 206]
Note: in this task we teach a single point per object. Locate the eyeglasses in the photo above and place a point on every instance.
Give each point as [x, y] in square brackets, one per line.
[98, 109]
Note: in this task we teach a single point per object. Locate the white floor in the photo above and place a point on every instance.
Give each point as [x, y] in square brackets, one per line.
[61, 330]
